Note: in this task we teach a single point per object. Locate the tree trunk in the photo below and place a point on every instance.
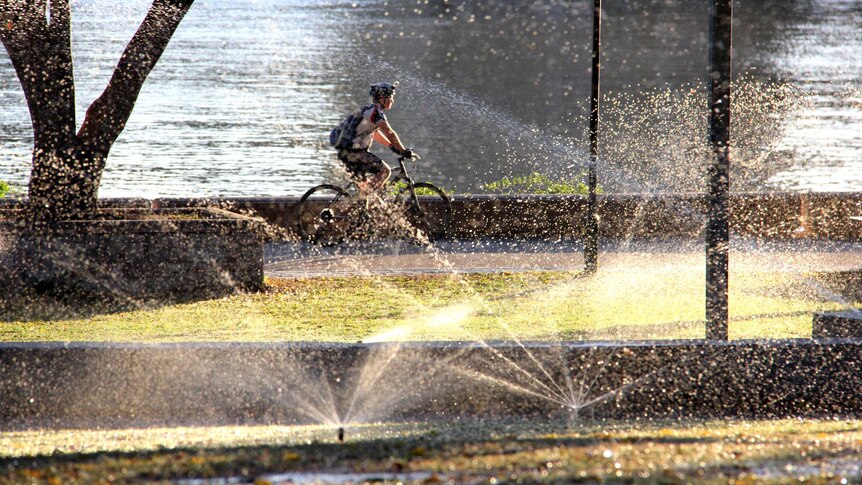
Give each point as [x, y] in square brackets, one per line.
[64, 183]
[68, 166]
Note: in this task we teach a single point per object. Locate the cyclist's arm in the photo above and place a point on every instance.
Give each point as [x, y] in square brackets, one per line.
[381, 138]
[391, 136]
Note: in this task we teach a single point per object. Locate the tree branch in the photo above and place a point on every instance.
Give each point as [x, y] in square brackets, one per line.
[108, 114]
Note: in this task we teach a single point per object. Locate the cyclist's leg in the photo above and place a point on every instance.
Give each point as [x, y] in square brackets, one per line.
[362, 167]
[348, 161]
[375, 170]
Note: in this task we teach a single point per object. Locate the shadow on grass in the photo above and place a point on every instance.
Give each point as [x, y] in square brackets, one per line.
[541, 451]
[501, 448]
[58, 301]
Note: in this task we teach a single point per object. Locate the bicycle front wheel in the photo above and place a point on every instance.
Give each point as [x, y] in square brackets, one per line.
[430, 212]
[321, 214]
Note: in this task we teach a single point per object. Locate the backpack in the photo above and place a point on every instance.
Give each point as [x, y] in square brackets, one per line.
[342, 136]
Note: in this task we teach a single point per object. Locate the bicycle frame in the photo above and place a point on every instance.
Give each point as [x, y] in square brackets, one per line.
[399, 173]
[402, 175]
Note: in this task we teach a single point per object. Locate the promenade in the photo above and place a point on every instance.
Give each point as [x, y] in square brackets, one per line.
[389, 258]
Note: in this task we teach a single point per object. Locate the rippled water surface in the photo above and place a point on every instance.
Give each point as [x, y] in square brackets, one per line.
[242, 101]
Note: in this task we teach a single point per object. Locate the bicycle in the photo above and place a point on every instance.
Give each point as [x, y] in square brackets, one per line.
[327, 214]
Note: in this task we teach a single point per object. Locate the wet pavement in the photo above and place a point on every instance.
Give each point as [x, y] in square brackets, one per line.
[390, 258]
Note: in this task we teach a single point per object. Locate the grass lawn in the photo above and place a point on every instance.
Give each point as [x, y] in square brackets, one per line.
[826, 451]
[662, 304]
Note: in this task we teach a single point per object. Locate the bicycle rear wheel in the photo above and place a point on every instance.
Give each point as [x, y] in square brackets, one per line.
[322, 214]
[430, 212]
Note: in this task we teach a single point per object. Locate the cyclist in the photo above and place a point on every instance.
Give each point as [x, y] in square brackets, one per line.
[368, 168]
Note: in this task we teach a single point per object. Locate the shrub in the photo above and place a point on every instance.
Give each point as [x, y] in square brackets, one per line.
[400, 185]
[536, 183]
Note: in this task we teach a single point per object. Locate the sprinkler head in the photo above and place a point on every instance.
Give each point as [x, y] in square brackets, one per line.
[341, 435]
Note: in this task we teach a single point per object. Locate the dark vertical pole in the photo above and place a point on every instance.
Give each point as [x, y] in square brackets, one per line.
[717, 226]
[591, 244]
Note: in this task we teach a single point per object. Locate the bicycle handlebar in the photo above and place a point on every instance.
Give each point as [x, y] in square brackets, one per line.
[403, 168]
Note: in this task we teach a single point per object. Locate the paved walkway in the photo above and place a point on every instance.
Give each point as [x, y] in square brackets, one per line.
[299, 260]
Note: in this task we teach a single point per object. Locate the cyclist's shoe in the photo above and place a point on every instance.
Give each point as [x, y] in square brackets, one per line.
[418, 238]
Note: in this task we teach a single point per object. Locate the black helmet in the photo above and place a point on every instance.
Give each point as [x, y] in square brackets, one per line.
[382, 90]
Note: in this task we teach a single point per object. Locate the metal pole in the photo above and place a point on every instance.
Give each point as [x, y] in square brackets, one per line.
[717, 226]
[591, 243]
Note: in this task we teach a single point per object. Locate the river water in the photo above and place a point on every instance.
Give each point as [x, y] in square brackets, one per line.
[242, 101]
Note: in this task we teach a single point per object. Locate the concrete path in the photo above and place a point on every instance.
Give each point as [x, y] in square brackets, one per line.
[300, 260]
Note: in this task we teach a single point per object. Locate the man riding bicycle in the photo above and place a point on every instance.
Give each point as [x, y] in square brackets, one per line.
[370, 124]
[325, 212]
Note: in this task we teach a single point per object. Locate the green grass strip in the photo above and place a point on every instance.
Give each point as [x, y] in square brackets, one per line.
[544, 306]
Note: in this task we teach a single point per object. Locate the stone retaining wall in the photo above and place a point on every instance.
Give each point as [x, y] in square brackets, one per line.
[81, 384]
[777, 215]
[132, 256]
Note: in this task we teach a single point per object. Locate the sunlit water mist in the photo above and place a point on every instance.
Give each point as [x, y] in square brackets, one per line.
[645, 290]
[385, 380]
[516, 146]
[558, 377]
[658, 137]
[638, 295]
[519, 370]
[651, 140]
[439, 322]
